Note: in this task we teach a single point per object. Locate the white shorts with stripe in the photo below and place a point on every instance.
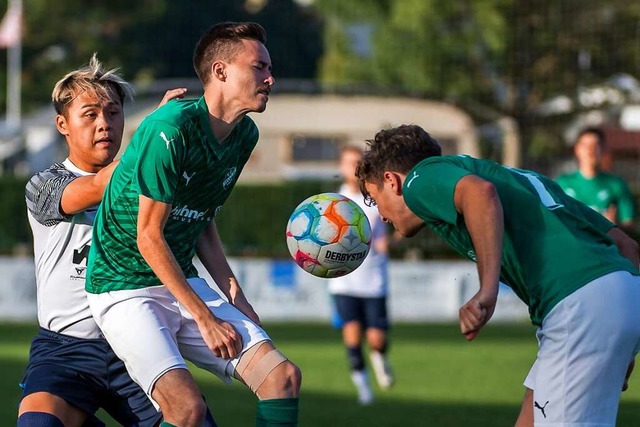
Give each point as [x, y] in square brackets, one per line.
[153, 333]
[585, 344]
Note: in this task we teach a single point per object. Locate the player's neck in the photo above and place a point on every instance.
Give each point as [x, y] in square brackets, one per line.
[589, 171]
[222, 120]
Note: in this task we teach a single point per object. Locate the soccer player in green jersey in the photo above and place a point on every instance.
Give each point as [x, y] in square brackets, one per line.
[576, 271]
[158, 212]
[602, 191]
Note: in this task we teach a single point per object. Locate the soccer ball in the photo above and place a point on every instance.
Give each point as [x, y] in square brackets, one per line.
[328, 235]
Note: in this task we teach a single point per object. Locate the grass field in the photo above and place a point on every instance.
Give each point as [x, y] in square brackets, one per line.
[441, 379]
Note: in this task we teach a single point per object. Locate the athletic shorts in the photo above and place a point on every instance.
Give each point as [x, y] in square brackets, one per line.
[370, 312]
[585, 344]
[87, 374]
[153, 333]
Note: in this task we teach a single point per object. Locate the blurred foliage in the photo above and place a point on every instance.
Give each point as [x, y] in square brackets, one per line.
[150, 39]
[14, 227]
[505, 55]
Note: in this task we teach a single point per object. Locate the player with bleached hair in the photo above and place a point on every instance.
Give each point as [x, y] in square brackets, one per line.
[158, 213]
[72, 371]
[576, 271]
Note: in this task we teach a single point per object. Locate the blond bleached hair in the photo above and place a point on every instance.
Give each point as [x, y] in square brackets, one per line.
[91, 78]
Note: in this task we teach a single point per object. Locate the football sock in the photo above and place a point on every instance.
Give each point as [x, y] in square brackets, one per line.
[361, 381]
[278, 412]
[42, 419]
[356, 361]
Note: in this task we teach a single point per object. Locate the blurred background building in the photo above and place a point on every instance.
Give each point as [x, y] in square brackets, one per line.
[502, 79]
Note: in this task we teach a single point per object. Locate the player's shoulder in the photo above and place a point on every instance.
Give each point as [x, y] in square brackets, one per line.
[56, 171]
[175, 113]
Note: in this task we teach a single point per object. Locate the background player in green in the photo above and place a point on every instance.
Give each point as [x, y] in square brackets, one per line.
[602, 191]
[157, 213]
[575, 270]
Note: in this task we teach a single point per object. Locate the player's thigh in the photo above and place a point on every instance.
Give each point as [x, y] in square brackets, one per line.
[349, 308]
[68, 368]
[176, 390]
[193, 346]
[126, 402]
[375, 313]
[67, 413]
[141, 326]
[586, 343]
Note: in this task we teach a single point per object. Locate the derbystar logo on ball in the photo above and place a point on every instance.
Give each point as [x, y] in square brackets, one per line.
[328, 235]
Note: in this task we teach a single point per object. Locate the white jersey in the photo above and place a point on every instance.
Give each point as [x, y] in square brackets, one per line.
[61, 245]
[370, 279]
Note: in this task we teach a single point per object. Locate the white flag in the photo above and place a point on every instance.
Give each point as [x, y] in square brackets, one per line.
[11, 27]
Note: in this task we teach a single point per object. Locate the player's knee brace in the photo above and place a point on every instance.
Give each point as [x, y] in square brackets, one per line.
[40, 419]
[356, 361]
[261, 369]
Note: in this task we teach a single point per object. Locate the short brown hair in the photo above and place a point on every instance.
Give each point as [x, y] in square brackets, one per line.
[223, 41]
[597, 132]
[398, 149]
[89, 78]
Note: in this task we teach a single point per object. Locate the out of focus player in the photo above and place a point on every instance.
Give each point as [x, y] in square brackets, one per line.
[72, 371]
[604, 192]
[360, 297]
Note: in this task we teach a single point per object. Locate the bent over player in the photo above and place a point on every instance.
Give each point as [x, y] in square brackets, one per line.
[158, 212]
[575, 270]
[72, 371]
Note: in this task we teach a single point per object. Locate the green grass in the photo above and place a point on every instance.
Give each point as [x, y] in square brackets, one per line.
[442, 380]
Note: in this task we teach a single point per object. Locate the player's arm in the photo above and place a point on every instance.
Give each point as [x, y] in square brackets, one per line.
[85, 191]
[626, 245]
[478, 202]
[210, 252]
[221, 337]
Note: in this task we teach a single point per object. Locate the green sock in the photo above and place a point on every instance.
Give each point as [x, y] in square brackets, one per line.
[277, 412]
[166, 424]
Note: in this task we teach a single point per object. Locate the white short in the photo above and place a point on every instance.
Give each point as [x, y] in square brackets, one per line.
[153, 333]
[585, 344]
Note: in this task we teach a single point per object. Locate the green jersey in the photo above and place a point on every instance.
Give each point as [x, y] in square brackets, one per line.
[173, 158]
[600, 192]
[552, 244]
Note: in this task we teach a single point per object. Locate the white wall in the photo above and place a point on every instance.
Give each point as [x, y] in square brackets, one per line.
[280, 290]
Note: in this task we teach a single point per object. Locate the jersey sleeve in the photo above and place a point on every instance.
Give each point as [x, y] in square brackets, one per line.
[43, 195]
[428, 191]
[161, 150]
[626, 204]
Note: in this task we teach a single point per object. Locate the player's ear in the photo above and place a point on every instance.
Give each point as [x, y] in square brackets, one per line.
[394, 181]
[61, 124]
[218, 71]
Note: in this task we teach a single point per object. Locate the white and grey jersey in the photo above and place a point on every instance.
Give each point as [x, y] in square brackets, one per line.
[61, 245]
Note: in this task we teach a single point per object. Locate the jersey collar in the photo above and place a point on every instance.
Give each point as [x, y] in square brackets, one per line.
[218, 149]
[73, 168]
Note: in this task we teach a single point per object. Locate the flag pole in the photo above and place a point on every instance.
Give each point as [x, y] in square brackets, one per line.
[14, 76]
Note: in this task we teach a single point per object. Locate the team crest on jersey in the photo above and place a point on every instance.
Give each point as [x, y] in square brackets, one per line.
[229, 177]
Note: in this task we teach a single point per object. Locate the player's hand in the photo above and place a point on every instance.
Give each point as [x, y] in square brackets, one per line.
[222, 338]
[625, 386]
[176, 93]
[476, 313]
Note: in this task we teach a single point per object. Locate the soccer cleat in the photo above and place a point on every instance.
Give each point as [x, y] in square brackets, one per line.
[361, 381]
[382, 370]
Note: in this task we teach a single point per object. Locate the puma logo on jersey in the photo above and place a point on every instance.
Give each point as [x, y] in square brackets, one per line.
[187, 177]
[415, 175]
[166, 140]
[537, 405]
